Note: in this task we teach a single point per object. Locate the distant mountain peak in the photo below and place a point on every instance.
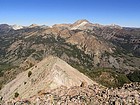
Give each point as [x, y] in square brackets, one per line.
[80, 24]
[81, 21]
[114, 26]
[4, 26]
[16, 27]
[33, 25]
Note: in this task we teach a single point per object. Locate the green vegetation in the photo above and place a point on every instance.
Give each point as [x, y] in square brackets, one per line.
[29, 73]
[29, 52]
[135, 76]
[38, 55]
[79, 57]
[16, 94]
[76, 57]
[108, 77]
[4, 67]
[105, 76]
[58, 47]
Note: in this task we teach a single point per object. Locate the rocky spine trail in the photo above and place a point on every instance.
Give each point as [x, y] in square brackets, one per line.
[50, 73]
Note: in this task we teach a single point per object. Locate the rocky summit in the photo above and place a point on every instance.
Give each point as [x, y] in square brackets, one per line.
[69, 64]
[82, 95]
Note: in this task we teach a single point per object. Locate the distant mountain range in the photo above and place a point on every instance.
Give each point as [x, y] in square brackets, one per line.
[77, 25]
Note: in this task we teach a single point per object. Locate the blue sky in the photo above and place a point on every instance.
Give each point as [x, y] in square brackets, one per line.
[26, 12]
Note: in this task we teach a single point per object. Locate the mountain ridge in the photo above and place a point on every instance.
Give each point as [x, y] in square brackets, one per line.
[89, 48]
[48, 74]
[16, 26]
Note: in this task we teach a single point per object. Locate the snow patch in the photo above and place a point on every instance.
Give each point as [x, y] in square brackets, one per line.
[16, 27]
[79, 25]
